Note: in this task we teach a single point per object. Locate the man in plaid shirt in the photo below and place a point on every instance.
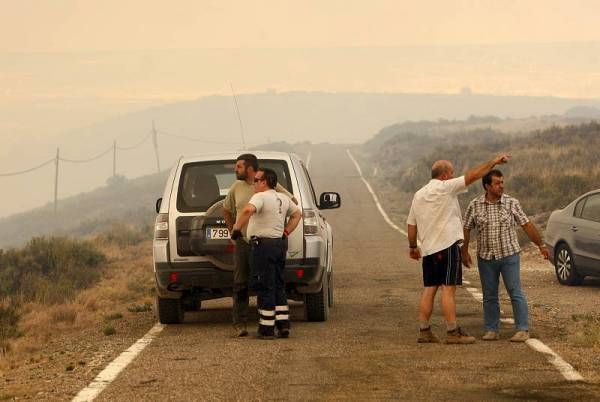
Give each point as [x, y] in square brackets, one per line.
[495, 216]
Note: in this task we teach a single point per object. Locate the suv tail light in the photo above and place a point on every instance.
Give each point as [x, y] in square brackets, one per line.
[161, 227]
[311, 224]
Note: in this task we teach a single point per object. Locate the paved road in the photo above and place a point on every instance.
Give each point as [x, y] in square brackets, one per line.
[367, 349]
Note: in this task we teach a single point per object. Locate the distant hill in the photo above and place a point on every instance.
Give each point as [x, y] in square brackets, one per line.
[211, 124]
[583, 111]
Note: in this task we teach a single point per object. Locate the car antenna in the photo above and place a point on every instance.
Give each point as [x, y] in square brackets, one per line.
[237, 110]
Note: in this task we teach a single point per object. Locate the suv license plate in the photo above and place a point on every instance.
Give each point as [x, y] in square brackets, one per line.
[217, 233]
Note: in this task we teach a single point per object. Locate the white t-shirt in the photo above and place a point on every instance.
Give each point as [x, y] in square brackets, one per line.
[271, 210]
[436, 213]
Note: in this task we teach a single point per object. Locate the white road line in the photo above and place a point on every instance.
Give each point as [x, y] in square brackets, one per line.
[565, 368]
[108, 375]
[379, 207]
[568, 372]
[307, 163]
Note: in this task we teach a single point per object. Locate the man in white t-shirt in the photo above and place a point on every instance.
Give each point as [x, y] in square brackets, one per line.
[267, 231]
[435, 219]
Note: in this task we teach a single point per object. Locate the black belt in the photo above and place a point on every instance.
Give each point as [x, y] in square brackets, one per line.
[255, 240]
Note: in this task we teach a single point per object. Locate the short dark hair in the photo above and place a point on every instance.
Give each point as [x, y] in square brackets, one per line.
[249, 160]
[270, 176]
[487, 179]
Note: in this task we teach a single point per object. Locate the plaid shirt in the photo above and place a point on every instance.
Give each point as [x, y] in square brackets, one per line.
[495, 224]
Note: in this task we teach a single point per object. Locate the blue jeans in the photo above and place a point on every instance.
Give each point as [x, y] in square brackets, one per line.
[489, 273]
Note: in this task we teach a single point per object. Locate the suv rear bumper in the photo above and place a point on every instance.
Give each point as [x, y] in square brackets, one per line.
[210, 281]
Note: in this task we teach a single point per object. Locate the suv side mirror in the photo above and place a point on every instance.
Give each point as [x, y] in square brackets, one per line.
[330, 200]
[158, 202]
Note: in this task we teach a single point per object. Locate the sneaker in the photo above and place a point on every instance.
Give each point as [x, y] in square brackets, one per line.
[459, 336]
[283, 333]
[520, 336]
[240, 330]
[426, 336]
[491, 336]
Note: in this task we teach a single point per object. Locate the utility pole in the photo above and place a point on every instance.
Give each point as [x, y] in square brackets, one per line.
[56, 180]
[115, 158]
[155, 140]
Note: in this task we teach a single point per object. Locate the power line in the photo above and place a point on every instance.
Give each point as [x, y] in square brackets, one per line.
[183, 137]
[136, 145]
[28, 170]
[93, 158]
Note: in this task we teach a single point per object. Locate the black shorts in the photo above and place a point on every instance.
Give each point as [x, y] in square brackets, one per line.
[443, 267]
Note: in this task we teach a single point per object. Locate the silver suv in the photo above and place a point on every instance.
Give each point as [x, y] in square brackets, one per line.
[192, 250]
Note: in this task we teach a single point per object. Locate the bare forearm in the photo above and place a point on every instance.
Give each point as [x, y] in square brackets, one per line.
[292, 222]
[243, 218]
[479, 171]
[228, 216]
[467, 236]
[533, 234]
[412, 235]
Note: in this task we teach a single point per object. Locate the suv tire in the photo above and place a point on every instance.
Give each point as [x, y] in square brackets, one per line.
[316, 305]
[170, 311]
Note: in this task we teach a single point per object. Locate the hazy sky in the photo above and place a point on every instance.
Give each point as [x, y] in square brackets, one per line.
[67, 64]
[82, 25]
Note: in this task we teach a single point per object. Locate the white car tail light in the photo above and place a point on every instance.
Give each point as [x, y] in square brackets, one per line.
[311, 224]
[161, 227]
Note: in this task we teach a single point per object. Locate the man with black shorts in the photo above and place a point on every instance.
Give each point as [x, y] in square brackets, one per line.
[435, 219]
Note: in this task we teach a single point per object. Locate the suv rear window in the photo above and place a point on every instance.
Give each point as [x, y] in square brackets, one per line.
[204, 183]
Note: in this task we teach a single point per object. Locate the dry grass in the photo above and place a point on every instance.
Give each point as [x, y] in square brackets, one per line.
[126, 280]
[587, 330]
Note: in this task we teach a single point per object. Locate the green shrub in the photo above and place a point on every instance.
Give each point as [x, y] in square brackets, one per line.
[140, 308]
[109, 330]
[49, 270]
[9, 319]
[123, 235]
[113, 316]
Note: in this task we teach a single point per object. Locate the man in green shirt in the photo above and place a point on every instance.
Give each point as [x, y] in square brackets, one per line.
[237, 198]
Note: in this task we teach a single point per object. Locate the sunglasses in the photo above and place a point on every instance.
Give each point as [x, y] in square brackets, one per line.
[257, 179]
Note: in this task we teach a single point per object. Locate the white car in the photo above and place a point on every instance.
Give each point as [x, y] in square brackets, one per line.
[193, 254]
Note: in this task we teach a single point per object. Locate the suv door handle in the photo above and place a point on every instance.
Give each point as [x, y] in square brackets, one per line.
[574, 228]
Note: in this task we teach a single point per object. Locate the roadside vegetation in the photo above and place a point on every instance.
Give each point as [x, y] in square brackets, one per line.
[548, 169]
[59, 284]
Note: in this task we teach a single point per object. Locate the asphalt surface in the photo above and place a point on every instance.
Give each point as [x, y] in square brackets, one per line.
[367, 350]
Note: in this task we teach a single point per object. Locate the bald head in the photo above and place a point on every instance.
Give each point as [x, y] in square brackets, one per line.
[442, 168]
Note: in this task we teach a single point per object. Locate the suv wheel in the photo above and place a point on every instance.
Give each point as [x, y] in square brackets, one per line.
[316, 305]
[170, 311]
[565, 267]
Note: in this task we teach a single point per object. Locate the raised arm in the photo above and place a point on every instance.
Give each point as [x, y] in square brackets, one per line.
[479, 171]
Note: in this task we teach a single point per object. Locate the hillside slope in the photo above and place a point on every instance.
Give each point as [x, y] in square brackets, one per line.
[120, 201]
